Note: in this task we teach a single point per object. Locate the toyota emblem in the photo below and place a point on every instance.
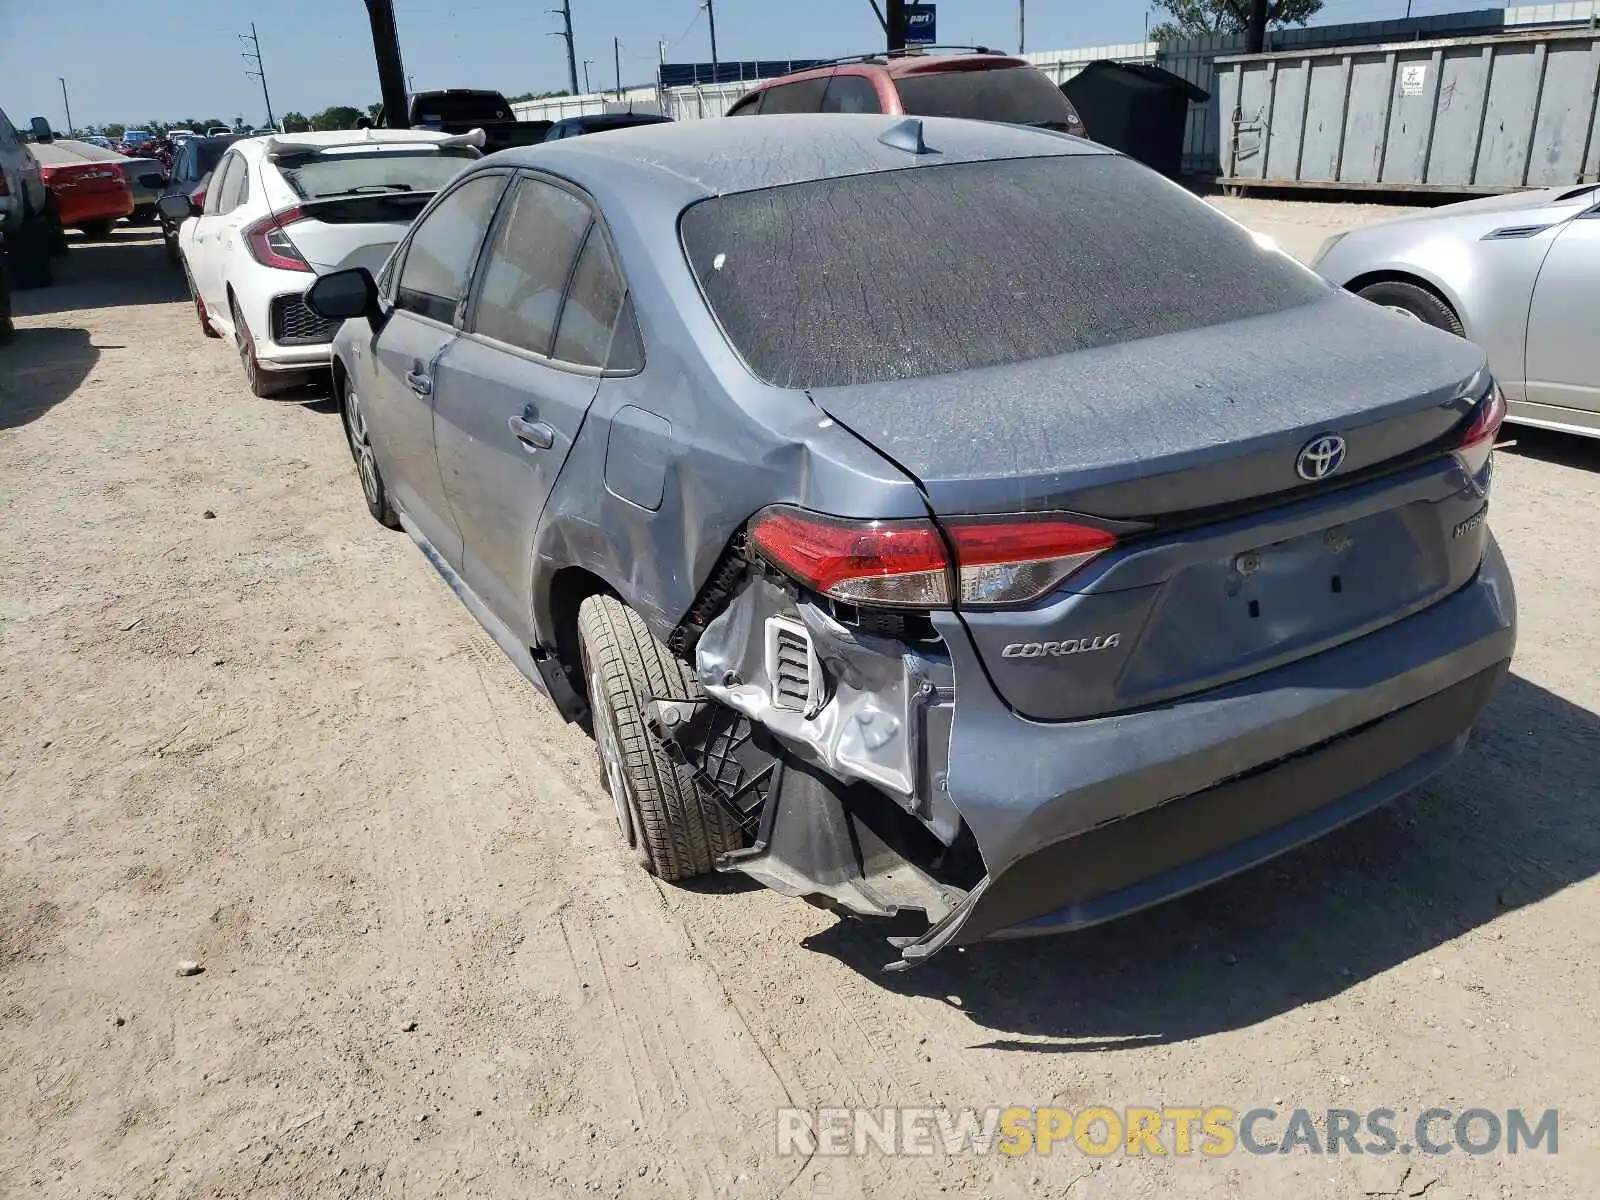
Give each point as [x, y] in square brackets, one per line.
[1320, 457]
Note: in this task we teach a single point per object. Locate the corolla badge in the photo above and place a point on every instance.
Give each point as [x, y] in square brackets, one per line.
[1320, 457]
[1058, 649]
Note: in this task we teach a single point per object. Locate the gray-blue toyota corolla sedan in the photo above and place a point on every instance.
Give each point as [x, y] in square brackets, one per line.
[930, 515]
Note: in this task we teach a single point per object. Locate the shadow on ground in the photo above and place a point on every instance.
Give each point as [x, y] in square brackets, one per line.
[1546, 445]
[128, 267]
[40, 369]
[1509, 825]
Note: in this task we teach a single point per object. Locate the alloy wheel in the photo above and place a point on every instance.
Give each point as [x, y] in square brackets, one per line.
[361, 446]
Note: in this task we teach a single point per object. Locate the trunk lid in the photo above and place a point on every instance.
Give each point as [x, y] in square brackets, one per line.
[1188, 445]
[354, 231]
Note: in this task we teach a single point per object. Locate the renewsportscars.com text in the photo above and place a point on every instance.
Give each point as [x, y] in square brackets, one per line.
[1212, 1131]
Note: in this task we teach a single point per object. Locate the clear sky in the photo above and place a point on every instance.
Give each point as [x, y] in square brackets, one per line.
[166, 59]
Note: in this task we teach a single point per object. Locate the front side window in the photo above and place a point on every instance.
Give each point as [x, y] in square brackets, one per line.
[933, 270]
[750, 106]
[529, 264]
[443, 248]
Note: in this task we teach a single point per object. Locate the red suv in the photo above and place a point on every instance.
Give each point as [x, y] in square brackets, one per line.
[980, 85]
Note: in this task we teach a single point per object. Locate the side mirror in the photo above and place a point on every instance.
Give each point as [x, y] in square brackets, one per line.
[177, 208]
[342, 295]
[41, 131]
[153, 180]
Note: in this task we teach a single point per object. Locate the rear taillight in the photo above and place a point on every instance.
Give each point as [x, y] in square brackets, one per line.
[905, 564]
[1477, 444]
[269, 243]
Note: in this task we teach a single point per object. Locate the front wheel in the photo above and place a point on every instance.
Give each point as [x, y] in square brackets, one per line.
[675, 828]
[1410, 300]
[360, 439]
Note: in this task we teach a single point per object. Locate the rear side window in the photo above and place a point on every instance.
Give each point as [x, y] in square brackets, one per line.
[1014, 95]
[748, 107]
[529, 265]
[593, 302]
[802, 97]
[315, 177]
[932, 270]
[851, 94]
[443, 248]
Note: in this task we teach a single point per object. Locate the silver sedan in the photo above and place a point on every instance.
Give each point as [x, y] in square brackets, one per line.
[1519, 275]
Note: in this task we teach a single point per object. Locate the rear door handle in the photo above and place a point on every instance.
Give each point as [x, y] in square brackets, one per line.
[534, 435]
[419, 383]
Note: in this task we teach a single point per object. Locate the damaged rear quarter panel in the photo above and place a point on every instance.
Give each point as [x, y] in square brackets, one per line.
[735, 444]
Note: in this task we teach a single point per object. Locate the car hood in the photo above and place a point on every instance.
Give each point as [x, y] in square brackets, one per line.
[1176, 423]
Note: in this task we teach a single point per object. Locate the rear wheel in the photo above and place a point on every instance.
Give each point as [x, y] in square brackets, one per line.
[372, 485]
[98, 230]
[1413, 300]
[262, 383]
[674, 827]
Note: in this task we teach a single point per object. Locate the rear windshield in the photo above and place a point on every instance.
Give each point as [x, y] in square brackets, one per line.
[436, 110]
[1015, 95]
[133, 137]
[931, 270]
[317, 177]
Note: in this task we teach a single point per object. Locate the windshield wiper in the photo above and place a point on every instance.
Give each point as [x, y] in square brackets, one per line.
[369, 189]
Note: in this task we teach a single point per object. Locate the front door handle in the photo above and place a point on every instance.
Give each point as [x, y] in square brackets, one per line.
[534, 435]
[419, 383]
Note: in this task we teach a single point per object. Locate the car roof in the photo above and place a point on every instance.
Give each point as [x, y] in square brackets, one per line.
[708, 158]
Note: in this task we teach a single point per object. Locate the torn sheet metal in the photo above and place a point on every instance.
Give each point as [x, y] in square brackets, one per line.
[874, 720]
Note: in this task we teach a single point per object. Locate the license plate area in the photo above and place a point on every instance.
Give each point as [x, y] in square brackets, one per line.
[1289, 597]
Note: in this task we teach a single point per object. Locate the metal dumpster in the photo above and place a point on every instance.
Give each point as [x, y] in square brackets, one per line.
[1478, 114]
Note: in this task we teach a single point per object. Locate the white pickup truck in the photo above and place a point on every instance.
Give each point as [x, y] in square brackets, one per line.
[26, 224]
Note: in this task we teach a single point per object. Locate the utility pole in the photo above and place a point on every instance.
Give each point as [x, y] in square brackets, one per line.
[587, 63]
[1022, 26]
[391, 71]
[1258, 26]
[711, 16]
[616, 52]
[894, 20]
[67, 104]
[565, 13]
[261, 70]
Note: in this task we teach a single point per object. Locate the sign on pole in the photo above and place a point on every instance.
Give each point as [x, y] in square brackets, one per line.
[920, 27]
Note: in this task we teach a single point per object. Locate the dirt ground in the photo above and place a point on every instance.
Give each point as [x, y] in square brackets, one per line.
[241, 724]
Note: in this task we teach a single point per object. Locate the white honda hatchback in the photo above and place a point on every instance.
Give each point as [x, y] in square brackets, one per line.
[280, 210]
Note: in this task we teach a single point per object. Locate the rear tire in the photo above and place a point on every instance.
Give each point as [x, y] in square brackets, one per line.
[1414, 301]
[675, 828]
[97, 230]
[262, 383]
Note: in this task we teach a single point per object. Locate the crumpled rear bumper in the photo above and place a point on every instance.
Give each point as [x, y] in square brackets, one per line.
[1082, 822]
